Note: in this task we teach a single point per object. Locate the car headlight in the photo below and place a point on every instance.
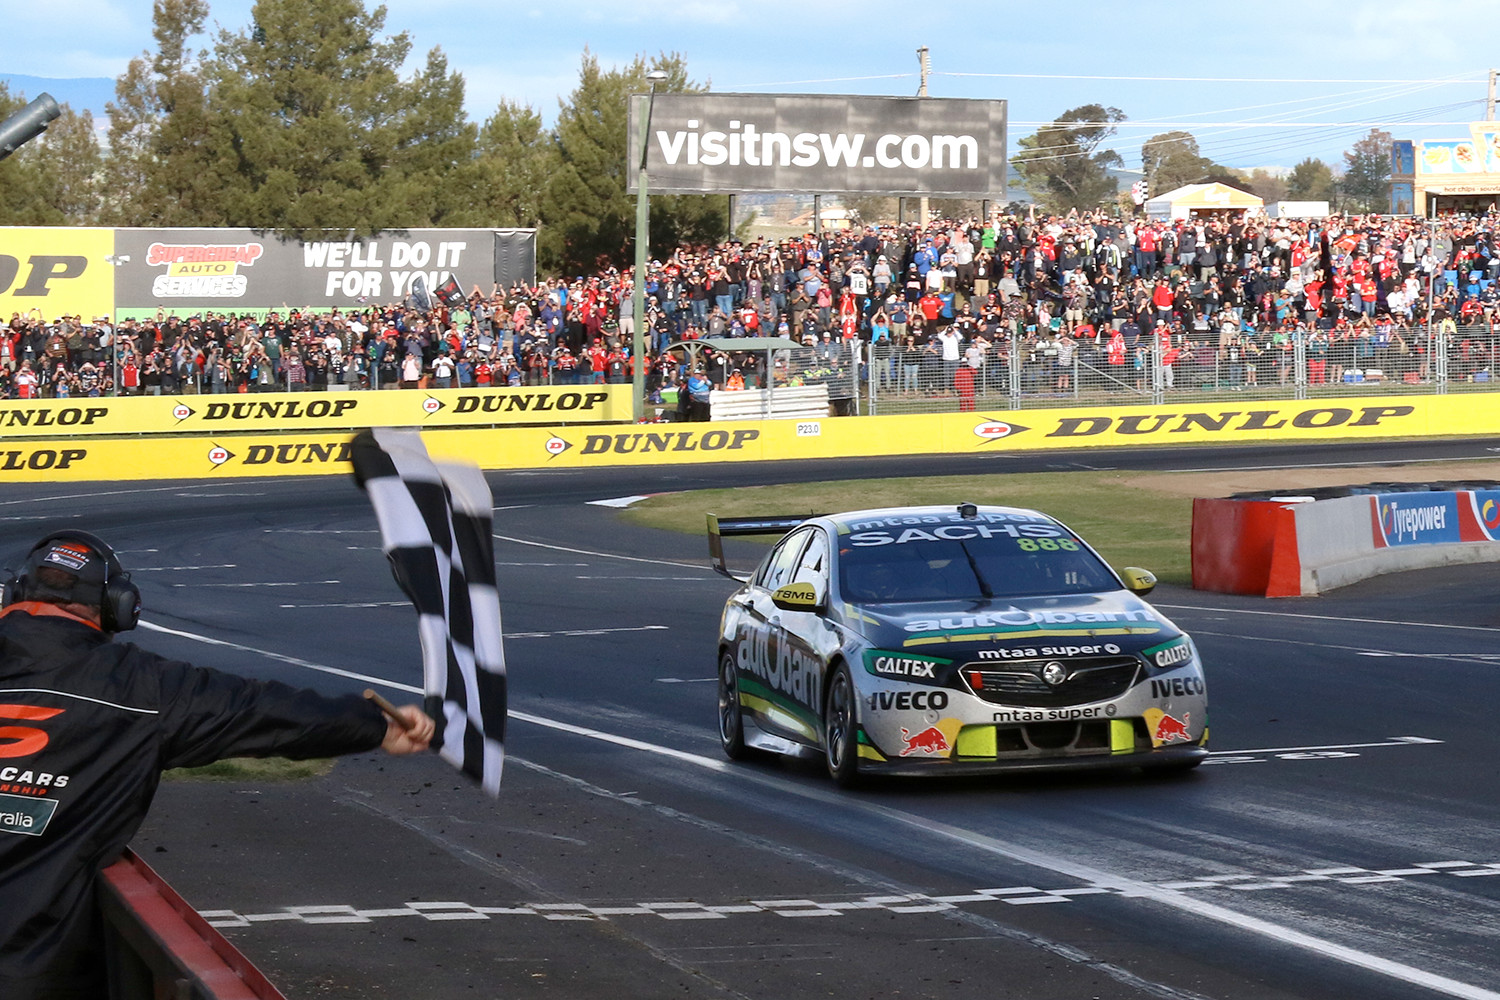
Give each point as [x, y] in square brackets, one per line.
[895, 666]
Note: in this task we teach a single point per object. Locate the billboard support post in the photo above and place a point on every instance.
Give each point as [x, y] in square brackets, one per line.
[642, 238]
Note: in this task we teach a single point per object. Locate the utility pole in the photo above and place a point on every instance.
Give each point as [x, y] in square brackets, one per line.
[1489, 104]
[926, 64]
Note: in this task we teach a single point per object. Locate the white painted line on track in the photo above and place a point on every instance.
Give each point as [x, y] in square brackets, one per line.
[619, 502]
[1119, 884]
[355, 604]
[1395, 741]
[288, 583]
[179, 569]
[604, 555]
[91, 495]
[1329, 618]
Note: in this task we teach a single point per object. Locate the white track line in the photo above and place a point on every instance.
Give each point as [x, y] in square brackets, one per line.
[1327, 618]
[1126, 886]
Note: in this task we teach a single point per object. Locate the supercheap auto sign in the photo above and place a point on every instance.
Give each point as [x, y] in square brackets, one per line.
[230, 269]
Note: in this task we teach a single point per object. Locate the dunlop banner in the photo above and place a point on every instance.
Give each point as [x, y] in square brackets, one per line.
[276, 411]
[196, 456]
[56, 272]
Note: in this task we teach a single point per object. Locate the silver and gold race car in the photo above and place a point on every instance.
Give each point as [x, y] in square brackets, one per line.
[944, 640]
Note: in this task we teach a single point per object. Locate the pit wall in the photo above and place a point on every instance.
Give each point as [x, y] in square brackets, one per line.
[185, 437]
[1288, 549]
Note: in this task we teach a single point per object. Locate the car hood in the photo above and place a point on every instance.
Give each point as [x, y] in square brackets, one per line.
[1079, 624]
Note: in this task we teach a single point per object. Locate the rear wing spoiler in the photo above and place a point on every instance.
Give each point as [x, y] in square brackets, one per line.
[718, 527]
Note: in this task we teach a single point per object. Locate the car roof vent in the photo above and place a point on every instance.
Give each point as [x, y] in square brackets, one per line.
[968, 511]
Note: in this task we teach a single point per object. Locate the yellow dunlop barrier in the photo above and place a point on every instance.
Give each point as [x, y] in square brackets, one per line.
[266, 411]
[196, 456]
[57, 272]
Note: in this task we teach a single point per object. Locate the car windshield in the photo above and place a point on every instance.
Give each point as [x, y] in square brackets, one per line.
[986, 562]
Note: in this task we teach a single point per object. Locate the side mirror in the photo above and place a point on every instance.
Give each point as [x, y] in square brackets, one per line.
[796, 597]
[1137, 580]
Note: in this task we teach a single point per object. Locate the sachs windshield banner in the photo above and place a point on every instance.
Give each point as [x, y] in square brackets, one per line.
[241, 270]
[731, 143]
[284, 411]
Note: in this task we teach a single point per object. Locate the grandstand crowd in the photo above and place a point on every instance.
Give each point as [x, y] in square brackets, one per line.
[923, 304]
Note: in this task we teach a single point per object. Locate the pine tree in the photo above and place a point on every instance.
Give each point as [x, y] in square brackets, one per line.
[53, 179]
[589, 219]
[318, 131]
[156, 173]
[1061, 165]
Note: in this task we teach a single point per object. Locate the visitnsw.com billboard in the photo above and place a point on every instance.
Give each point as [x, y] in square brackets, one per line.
[737, 143]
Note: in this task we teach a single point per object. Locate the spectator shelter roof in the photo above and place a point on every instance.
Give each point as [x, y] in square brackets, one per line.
[1202, 199]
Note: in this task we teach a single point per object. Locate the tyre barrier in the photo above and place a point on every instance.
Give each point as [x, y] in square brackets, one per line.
[1312, 543]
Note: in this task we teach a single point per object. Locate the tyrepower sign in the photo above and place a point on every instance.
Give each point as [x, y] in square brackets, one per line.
[731, 143]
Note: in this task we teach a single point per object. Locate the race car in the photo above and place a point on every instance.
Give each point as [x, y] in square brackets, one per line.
[947, 640]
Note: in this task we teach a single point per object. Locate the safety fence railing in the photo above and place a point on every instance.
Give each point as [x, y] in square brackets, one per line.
[1032, 372]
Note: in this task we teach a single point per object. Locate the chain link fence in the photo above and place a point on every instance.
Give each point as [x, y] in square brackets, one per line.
[1034, 372]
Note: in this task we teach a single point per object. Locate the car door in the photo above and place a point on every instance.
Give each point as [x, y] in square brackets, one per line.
[777, 675]
[805, 636]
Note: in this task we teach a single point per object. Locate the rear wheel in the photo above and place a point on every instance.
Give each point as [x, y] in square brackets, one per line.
[731, 723]
[840, 730]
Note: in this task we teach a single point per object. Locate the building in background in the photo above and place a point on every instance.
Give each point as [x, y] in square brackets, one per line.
[1432, 177]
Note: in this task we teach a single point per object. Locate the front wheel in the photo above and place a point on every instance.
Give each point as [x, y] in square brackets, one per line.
[840, 730]
[731, 723]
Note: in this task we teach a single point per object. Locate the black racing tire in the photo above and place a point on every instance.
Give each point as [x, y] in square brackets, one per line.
[731, 721]
[841, 729]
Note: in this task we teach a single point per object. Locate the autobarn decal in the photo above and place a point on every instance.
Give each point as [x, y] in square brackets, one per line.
[652, 441]
[1313, 418]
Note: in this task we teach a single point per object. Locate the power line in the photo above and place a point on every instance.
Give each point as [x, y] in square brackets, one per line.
[1191, 79]
[1161, 124]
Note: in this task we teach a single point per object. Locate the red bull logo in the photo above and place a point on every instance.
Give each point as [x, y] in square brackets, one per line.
[1169, 730]
[929, 741]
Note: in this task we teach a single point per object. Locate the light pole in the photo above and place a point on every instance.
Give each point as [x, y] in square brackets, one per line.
[642, 237]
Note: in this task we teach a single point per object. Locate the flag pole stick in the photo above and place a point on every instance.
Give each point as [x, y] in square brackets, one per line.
[387, 708]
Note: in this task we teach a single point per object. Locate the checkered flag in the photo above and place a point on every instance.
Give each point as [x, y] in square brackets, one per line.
[435, 523]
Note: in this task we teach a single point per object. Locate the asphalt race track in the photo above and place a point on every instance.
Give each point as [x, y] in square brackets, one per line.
[1340, 843]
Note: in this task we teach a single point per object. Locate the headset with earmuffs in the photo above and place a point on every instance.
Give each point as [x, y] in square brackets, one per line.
[119, 600]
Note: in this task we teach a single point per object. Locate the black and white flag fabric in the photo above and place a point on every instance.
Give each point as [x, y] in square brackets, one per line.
[435, 527]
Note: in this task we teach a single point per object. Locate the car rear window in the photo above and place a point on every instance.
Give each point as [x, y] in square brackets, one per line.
[973, 562]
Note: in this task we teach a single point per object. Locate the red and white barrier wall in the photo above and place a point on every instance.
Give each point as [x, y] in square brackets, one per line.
[1298, 548]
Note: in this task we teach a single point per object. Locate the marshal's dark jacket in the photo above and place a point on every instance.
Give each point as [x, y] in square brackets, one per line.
[86, 728]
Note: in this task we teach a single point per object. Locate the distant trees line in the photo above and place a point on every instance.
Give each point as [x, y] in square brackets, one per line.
[301, 122]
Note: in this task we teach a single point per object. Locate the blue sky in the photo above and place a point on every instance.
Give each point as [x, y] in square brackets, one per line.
[530, 52]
